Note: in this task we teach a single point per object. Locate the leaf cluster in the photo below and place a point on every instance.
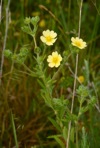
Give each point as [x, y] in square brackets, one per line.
[30, 25]
[17, 57]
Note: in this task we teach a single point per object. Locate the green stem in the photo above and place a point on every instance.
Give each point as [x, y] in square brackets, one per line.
[47, 93]
[77, 135]
[35, 42]
[14, 130]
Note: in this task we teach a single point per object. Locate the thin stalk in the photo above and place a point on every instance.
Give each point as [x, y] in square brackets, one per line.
[76, 68]
[69, 10]
[5, 38]
[1, 11]
[72, 105]
[98, 10]
[35, 42]
[14, 130]
[77, 135]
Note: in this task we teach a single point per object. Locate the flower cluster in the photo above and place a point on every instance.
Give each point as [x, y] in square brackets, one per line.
[49, 38]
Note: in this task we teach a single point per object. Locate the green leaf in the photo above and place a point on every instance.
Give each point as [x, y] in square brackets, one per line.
[84, 142]
[56, 137]
[55, 124]
[92, 101]
[8, 53]
[70, 116]
[59, 105]
[35, 20]
[24, 51]
[65, 131]
[41, 84]
[72, 133]
[27, 20]
[27, 30]
[83, 91]
[83, 110]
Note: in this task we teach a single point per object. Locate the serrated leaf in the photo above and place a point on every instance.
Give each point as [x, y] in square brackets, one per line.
[83, 92]
[35, 20]
[26, 29]
[70, 116]
[92, 101]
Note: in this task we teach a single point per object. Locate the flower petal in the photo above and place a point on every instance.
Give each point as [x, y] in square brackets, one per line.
[53, 34]
[43, 39]
[49, 59]
[46, 33]
[51, 65]
[54, 54]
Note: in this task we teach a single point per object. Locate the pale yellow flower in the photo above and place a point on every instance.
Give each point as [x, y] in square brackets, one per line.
[54, 59]
[48, 37]
[81, 79]
[78, 42]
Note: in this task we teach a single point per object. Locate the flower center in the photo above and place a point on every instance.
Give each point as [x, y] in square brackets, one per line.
[48, 38]
[78, 43]
[55, 60]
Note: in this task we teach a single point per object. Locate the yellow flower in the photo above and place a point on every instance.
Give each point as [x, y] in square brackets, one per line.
[49, 37]
[81, 79]
[78, 42]
[42, 23]
[36, 13]
[54, 59]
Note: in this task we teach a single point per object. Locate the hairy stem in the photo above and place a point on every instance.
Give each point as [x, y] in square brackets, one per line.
[74, 88]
